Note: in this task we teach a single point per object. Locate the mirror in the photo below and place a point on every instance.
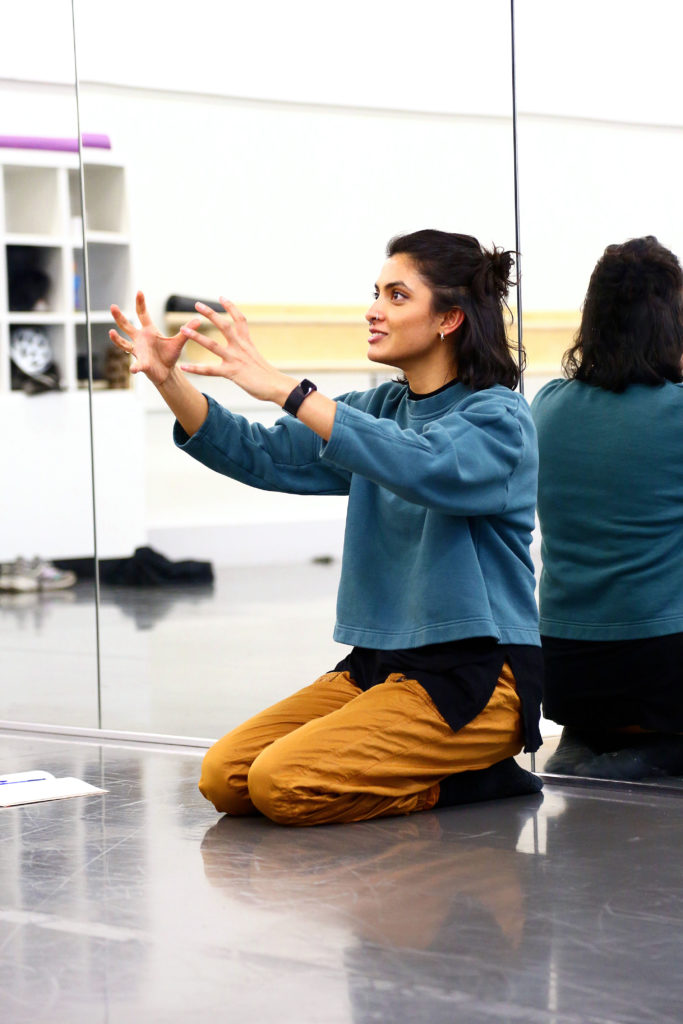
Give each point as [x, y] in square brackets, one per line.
[48, 640]
[600, 155]
[270, 152]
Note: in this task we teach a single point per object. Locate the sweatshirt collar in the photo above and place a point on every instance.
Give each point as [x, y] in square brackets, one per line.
[430, 394]
[436, 401]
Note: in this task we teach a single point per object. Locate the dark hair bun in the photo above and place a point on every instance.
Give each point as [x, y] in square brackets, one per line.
[494, 275]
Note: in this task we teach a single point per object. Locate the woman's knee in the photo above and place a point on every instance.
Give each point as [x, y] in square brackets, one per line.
[223, 781]
[277, 789]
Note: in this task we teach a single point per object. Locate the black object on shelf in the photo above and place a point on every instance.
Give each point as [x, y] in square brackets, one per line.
[185, 304]
[36, 383]
[28, 283]
[33, 368]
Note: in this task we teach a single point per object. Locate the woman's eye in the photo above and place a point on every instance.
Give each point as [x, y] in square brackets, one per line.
[397, 295]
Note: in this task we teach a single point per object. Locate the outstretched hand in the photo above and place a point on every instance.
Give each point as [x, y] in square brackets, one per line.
[238, 358]
[155, 355]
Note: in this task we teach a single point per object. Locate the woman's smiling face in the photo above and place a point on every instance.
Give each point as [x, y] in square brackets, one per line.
[404, 329]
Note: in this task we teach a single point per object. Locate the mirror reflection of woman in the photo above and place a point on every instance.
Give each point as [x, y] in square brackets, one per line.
[441, 687]
[611, 514]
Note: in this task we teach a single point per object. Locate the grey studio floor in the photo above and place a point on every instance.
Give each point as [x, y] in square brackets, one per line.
[143, 905]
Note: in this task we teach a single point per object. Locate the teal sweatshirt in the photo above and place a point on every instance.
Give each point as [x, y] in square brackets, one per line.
[610, 507]
[442, 493]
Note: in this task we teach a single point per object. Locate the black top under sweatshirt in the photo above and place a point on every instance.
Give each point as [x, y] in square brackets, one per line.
[459, 676]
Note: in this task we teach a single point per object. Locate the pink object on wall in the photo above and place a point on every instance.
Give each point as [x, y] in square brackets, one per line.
[89, 140]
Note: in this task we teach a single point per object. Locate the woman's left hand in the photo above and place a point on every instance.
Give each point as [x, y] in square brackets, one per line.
[239, 360]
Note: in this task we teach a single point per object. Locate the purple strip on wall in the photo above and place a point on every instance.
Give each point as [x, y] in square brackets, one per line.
[68, 145]
[96, 141]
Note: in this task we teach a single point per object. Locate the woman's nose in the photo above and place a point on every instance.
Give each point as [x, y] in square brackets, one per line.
[372, 314]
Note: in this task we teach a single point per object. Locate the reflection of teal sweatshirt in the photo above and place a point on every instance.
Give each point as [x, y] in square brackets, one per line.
[442, 493]
[610, 505]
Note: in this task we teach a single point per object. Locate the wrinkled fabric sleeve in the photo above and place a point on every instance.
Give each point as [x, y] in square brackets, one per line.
[460, 465]
[284, 457]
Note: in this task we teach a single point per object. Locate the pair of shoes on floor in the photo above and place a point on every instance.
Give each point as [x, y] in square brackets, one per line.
[23, 576]
[637, 757]
[504, 779]
[650, 756]
[573, 749]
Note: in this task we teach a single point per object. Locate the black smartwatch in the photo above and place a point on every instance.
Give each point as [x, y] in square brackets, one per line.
[301, 391]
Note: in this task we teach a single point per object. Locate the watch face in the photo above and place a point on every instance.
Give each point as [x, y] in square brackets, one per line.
[30, 350]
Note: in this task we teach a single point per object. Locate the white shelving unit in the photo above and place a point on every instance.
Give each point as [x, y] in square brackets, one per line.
[40, 218]
[45, 460]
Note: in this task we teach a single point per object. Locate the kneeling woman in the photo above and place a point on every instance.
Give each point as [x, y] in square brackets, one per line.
[441, 687]
[611, 512]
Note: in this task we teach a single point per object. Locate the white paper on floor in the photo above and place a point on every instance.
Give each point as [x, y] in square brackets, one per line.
[36, 786]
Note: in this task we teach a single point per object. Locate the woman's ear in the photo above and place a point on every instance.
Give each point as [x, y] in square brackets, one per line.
[452, 320]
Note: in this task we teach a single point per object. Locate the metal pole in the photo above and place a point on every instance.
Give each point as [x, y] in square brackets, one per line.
[86, 292]
[518, 243]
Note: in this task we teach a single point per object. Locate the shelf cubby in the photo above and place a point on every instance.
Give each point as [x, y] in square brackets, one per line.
[34, 278]
[109, 273]
[56, 339]
[32, 201]
[101, 348]
[42, 272]
[105, 204]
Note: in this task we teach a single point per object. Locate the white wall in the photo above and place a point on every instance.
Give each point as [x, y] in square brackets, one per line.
[600, 136]
[610, 60]
[606, 59]
[584, 185]
[445, 55]
[37, 43]
[293, 203]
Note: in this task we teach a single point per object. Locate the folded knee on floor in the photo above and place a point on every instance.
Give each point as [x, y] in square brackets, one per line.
[276, 792]
[223, 782]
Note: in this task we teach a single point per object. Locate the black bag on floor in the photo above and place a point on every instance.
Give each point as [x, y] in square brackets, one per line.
[148, 568]
[145, 568]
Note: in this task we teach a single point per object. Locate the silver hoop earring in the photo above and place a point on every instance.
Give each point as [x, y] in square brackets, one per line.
[441, 335]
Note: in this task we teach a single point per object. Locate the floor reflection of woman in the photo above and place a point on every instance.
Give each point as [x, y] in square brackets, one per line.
[428, 921]
[611, 514]
[441, 687]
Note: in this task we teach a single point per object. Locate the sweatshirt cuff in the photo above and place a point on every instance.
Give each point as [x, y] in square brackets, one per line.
[185, 441]
[331, 450]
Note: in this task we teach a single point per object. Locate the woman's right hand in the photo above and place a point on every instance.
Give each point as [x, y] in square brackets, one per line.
[155, 355]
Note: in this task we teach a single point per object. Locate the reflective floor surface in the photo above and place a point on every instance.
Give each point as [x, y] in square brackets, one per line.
[143, 906]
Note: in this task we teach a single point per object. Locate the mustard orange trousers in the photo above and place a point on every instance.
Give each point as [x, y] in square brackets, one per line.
[334, 753]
